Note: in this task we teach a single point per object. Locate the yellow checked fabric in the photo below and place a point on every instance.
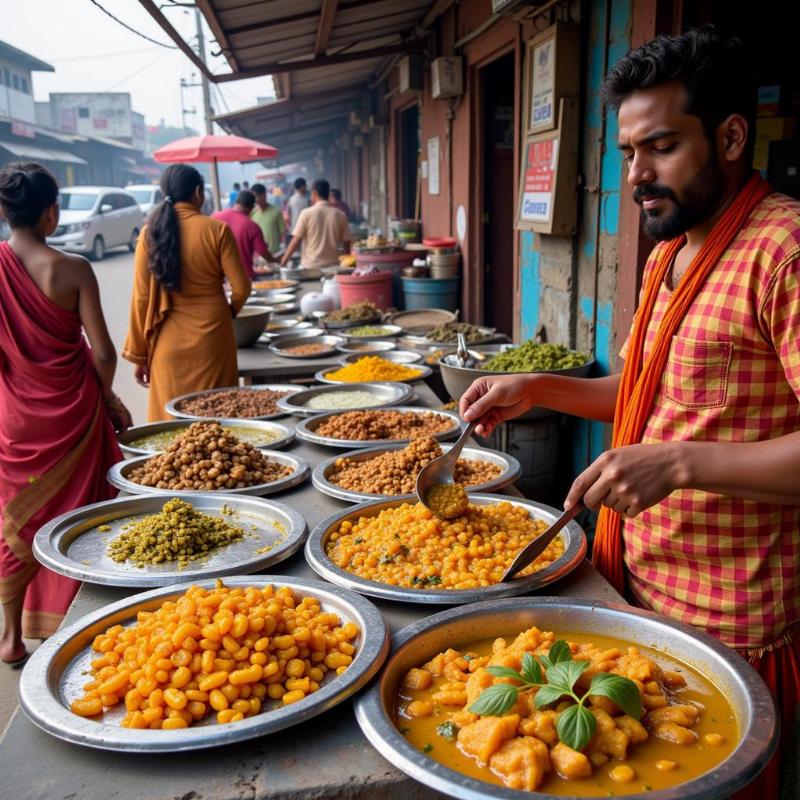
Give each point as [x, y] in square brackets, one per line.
[728, 565]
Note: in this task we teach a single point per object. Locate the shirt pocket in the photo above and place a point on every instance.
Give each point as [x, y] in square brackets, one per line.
[697, 373]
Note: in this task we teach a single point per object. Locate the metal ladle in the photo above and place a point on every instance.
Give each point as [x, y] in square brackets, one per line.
[465, 359]
[442, 469]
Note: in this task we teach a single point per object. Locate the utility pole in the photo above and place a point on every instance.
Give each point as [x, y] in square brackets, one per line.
[186, 111]
[201, 51]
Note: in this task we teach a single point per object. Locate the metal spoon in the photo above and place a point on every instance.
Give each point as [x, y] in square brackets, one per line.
[441, 469]
[463, 357]
[534, 549]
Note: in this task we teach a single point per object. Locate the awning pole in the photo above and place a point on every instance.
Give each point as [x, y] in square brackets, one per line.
[215, 185]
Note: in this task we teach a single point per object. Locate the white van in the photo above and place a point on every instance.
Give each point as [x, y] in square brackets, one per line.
[94, 219]
[146, 195]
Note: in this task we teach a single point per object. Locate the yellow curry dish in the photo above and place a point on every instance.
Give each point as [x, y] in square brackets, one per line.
[587, 717]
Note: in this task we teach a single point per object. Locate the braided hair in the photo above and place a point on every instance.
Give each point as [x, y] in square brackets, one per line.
[178, 183]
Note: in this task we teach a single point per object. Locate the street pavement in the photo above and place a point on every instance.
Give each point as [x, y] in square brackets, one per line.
[115, 277]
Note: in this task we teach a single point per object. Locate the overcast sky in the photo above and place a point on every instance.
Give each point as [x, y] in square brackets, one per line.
[92, 53]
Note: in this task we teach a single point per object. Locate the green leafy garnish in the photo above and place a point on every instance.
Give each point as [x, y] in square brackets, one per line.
[576, 725]
[428, 747]
[434, 580]
[359, 540]
[405, 731]
[386, 559]
[447, 730]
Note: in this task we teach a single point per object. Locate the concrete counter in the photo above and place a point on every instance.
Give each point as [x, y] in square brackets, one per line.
[327, 757]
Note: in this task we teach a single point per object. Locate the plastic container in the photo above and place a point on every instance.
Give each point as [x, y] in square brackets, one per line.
[439, 241]
[432, 293]
[389, 262]
[375, 288]
[440, 272]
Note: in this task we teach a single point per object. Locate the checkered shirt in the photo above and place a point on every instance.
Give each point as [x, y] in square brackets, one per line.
[724, 564]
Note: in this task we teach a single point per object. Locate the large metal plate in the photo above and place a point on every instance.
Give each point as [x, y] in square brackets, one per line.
[306, 429]
[280, 346]
[424, 372]
[396, 356]
[71, 544]
[349, 323]
[511, 470]
[572, 536]
[56, 671]
[367, 348]
[285, 435]
[457, 627]
[389, 394]
[118, 476]
[390, 332]
[173, 406]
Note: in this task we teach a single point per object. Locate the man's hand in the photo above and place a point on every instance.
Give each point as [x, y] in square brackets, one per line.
[495, 400]
[629, 479]
[142, 375]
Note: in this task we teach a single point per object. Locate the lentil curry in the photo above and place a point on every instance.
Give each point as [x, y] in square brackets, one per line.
[686, 727]
[408, 546]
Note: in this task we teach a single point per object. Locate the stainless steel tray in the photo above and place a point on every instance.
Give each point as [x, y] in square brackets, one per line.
[306, 429]
[319, 477]
[349, 323]
[417, 643]
[53, 676]
[390, 333]
[424, 372]
[301, 273]
[367, 348]
[390, 394]
[172, 407]
[118, 476]
[71, 544]
[397, 356]
[285, 435]
[574, 550]
[279, 347]
[293, 286]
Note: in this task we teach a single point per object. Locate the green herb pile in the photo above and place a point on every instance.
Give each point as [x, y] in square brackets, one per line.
[576, 724]
[177, 533]
[536, 357]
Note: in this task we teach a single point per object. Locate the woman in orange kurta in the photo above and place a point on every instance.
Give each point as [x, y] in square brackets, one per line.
[180, 335]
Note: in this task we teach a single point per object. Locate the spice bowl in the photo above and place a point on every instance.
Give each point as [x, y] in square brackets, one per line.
[423, 372]
[367, 348]
[381, 332]
[250, 323]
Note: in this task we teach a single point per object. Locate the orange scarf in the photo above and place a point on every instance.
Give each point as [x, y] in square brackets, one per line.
[640, 380]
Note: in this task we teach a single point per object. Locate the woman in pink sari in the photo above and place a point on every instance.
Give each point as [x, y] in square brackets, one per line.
[57, 410]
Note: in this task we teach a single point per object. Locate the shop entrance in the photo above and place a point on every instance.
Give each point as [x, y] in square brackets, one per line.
[408, 153]
[497, 92]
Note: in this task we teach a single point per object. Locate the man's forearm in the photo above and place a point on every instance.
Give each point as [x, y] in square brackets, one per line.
[590, 398]
[293, 245]
[767, 471]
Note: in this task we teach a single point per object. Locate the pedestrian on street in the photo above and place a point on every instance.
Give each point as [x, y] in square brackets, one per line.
[248, 235]
[700, 493]
[321, 228]
[233, 194]
[268, 218]
[337, 202]
[180, 335]
[298, 202]
[58, 412]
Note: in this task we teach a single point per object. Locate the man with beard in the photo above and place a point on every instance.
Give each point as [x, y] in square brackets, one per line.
[700, 493]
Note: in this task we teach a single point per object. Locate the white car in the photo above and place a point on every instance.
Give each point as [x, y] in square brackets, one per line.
[94, 219]
[146, 195]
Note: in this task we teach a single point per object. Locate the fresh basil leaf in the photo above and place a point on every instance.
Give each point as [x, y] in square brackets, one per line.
[548, 694]
[559, 652]
[495, 700]
[566, 673]
[505, 672]
[576, 726]
[623, 691]
[531, 671]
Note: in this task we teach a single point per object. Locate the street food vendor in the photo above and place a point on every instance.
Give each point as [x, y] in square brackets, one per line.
[699, 495]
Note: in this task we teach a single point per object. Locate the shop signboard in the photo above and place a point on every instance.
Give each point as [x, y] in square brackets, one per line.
[543, 86]
[541, 164]
[433, 165]
[548, 181]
